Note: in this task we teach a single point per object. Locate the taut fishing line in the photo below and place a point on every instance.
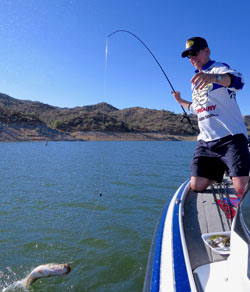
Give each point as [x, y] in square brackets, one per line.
[185, 116]
[101, 178]
[89, 219]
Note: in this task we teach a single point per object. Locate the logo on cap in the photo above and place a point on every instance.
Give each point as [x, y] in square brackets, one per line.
[189, 44]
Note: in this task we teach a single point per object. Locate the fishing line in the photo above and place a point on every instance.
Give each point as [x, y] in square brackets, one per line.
[105, 72]
[101, 169]
[89, 219]
[185, 116]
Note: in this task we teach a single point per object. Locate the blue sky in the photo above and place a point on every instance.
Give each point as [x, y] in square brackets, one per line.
[53, 51]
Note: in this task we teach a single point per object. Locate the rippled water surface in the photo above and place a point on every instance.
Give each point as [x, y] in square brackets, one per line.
[94, 204]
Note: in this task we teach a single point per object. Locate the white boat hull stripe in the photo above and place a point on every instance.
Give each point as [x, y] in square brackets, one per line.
[180, 271]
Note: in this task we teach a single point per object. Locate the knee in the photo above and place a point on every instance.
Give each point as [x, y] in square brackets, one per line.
[240, 184]
[197, 187]
[199, 184]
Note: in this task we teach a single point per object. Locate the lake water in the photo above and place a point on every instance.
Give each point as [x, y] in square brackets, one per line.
[94, 204]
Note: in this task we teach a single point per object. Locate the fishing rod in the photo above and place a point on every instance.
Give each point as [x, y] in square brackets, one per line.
[185, 116]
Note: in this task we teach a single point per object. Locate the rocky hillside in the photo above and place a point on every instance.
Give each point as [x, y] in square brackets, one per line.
[22, 120]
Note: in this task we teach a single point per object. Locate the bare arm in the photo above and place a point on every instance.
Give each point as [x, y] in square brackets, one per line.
[185, 103]
[201, 79]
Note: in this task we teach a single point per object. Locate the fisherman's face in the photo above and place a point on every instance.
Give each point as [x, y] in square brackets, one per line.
[201, 59]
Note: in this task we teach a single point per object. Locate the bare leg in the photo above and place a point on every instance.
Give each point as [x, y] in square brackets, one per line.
[199, 184]
[240, 183]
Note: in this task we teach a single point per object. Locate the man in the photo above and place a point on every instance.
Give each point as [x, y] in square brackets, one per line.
[223, 139]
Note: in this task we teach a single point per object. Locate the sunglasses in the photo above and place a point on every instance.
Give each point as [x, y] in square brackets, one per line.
[193, 54]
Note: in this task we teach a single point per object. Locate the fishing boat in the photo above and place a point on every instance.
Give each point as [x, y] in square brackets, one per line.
[201, 242]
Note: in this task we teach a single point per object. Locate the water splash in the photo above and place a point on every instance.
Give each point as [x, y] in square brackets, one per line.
[17, 286]
[9, 282]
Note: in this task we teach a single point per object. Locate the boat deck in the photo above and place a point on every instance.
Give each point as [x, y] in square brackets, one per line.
[207, 212]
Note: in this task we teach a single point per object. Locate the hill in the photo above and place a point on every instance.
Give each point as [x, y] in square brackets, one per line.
[24, 120]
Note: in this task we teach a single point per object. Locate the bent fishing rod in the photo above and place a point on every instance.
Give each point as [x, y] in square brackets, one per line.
[185, 116]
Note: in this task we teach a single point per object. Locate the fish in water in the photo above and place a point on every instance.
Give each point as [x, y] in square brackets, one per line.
[45, 271]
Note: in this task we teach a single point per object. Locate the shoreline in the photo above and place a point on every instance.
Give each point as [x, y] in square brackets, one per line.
[97, 136]
[127, 136]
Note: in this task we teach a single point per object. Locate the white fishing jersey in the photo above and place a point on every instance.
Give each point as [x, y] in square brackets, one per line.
[216, 106]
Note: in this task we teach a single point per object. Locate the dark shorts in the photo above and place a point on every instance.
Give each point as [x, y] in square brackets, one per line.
[212, 159]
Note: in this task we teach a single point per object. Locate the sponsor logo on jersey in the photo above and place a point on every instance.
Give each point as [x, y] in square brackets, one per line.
[200, 97]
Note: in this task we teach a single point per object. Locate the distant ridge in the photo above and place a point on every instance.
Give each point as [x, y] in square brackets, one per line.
[25, 120]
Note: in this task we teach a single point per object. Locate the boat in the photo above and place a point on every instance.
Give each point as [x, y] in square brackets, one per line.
[201, 242]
